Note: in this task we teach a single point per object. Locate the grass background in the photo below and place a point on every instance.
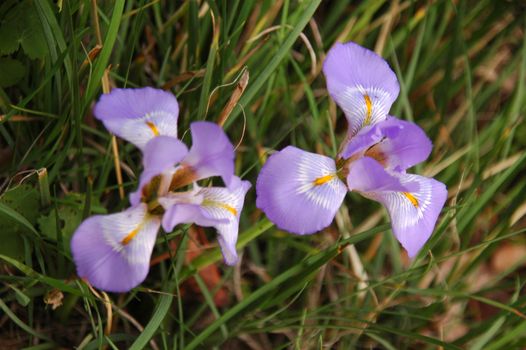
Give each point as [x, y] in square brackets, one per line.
[461, 66]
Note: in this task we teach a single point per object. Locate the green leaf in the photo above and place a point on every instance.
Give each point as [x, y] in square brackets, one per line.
[11, 71]
[22, 27]
[33, 41]
[8, 38]
[53, 282]
[18, 210]
[69, 213]
[163, 306]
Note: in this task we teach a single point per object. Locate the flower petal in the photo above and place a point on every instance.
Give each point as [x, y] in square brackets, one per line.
[361, 83]
[219, 207]
[226, 203]
[395, 143]
[138, 115]
[160, 154]
[113, 251]
[185, 208]
[412, 201]
[211, 153]
[299, 191]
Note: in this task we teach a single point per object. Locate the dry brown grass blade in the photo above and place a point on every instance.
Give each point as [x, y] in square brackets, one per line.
[18, 118]
[183, 77]
[386, 28]
[234, 98]
[92, 54]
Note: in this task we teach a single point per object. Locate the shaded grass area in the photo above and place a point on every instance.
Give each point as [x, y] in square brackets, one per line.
[462, 67]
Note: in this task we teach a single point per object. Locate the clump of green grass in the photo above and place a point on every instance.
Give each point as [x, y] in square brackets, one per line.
[462, 68]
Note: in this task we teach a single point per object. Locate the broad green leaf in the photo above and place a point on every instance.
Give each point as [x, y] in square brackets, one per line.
[33, 41]
[18, 210]
[22, 27]
[8, 38]
[11, 71]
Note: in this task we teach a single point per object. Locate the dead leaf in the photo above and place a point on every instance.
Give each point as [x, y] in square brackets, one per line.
[54, 298]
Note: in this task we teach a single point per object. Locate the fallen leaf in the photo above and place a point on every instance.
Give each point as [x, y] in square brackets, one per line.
[54, 298]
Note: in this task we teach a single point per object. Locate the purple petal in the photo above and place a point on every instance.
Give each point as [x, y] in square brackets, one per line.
[160, 154]
[218, 207]
[367, 175]
[113, 251]
[185, 208]
[211, 153]
[299, 191]
[226, 203]
[361, 83]
[395, 143]
[412, 201]
[138, 115]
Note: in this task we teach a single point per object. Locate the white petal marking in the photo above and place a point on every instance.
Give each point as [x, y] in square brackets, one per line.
[141, 130]
[363, 106]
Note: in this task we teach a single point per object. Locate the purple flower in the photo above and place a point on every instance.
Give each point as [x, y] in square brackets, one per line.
[361, 83]
[301, 192]
[113, 251]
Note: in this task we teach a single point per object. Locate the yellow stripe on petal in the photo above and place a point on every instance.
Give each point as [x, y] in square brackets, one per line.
[411, 198]
[229, 208]
[211, 203]
[324, 179]
[369, 106]
[153, 128]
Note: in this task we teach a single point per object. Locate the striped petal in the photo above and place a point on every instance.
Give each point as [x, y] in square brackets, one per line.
[113, 251]
[226, 204]
[185, 208]
[361, 83]
[160, 155]
[395, 143]
[218, 207]
[138, 115]
[412, 201]
[211, 153]
[299, 191]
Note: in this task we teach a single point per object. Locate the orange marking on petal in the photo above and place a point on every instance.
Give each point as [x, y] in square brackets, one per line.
[126, 240]
[322, 180]
[411, 198]
[153, 128]
[369, 106]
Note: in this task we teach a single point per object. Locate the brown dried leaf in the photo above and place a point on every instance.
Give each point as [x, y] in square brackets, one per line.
[54, 298]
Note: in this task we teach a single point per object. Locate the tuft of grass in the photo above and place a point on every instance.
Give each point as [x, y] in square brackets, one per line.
[462, 68]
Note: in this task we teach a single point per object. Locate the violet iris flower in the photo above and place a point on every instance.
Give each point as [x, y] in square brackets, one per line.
[301, 191]
[113, 251]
